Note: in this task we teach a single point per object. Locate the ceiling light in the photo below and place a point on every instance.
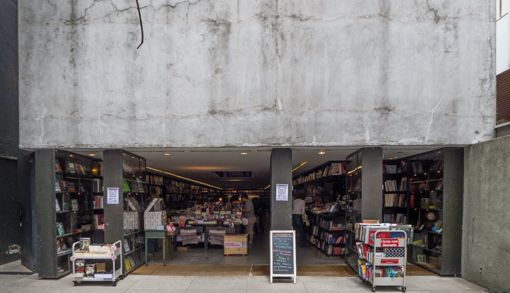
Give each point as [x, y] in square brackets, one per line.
[244, 154]
[92, 155]
[167, 154]
[322, 153]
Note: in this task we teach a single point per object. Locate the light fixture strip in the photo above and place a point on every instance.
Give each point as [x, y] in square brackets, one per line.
[202, 183]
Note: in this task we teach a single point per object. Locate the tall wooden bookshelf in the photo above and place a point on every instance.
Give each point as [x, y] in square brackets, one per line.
[67, 188]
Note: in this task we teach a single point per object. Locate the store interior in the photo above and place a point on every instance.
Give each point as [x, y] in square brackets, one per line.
[226, 173]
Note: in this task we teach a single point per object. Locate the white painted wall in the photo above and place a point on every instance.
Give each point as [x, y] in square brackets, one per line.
[256, 73]
[502, 62]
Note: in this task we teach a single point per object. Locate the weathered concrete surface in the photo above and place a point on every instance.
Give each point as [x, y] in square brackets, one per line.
[486, 229]
[256, 73]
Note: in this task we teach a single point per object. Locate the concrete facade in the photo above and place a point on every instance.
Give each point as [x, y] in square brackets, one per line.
[486, 233]
[256, 73]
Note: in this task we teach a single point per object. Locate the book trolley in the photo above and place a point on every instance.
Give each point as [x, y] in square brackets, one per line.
[382, 257]
[116, 252]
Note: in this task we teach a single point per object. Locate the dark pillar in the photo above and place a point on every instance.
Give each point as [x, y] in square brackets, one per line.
[45, 212]
[113, 213]
[281, 173]
[372, 182]
[26, 188]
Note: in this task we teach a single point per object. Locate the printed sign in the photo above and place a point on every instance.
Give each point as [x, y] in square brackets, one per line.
[282, 192]
[389, 242]
[112, 195]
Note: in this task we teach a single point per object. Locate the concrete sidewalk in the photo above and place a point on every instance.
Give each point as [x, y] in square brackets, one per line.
[235, 284]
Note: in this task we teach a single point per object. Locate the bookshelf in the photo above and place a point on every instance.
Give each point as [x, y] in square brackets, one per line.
[436, 196]
[363, 200]
[67, 186]
[395, 191]
[327, 232]
[135, 201]
[323, 185]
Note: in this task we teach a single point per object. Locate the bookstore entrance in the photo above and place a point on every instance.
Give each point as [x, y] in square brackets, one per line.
[209, 202]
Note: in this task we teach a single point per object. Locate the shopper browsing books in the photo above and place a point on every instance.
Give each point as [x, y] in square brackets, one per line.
[249, 213]
[298, 209]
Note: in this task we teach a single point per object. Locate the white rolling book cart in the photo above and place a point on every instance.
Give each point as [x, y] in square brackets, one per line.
[382, 262]
[116, 253]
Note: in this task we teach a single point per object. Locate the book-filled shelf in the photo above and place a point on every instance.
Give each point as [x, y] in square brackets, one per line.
[323, 187]
[77, 183]
[353, 196]
[395, 191]
[135, 201]
[176, 192]
[327, 232]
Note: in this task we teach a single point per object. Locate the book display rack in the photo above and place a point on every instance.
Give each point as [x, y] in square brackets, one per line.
[135, 202]
[89, 262]
[381, 255]
[69, 192]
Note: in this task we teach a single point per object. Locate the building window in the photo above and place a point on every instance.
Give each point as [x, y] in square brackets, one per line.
[501, 8]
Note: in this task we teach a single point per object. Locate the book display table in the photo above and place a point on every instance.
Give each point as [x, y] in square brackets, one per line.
[159, 234]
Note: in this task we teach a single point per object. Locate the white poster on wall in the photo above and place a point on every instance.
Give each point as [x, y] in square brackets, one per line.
[282, 192]
[112, 195]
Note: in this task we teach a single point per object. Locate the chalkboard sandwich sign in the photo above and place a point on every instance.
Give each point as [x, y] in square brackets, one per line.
[283, 254]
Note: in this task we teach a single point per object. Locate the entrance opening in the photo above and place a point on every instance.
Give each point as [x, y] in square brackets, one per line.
[200, 185]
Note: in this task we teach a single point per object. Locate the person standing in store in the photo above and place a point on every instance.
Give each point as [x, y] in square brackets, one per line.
[298, 209]
[249, 213]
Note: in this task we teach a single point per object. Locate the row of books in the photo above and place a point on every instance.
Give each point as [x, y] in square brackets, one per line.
[395, 218]
[154, 179]
[130, 263]
[68, 206]
[136, 185]
[74, 168]
[391, 185]
[331, 170]
[98, 202]
[367, 271]
[395, 200]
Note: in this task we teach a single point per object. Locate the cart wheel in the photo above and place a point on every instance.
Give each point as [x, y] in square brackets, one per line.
[121, 277]
[114, 283]
[75, 283]
[403, 289]
[373, 289]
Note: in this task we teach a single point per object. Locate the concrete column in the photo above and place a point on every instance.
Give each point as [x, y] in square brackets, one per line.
[281, 173]
[45, 212]
[113, 213]
[371, 184]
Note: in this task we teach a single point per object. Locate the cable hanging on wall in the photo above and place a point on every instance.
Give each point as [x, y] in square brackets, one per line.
[141, 25]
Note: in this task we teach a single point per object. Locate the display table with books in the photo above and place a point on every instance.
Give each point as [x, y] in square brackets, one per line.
[85, 265]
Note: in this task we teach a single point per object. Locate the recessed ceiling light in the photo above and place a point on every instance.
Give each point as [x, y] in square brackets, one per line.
[92, 155]
[167, 154]
[244, 154]
[322, 153]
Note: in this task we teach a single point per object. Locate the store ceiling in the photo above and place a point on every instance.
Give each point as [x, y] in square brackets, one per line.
[200, 163]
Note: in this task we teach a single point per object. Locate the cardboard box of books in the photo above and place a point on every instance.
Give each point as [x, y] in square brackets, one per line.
[154, 218]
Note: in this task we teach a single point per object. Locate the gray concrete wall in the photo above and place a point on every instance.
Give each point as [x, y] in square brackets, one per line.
[256, 73]
[486, 229]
